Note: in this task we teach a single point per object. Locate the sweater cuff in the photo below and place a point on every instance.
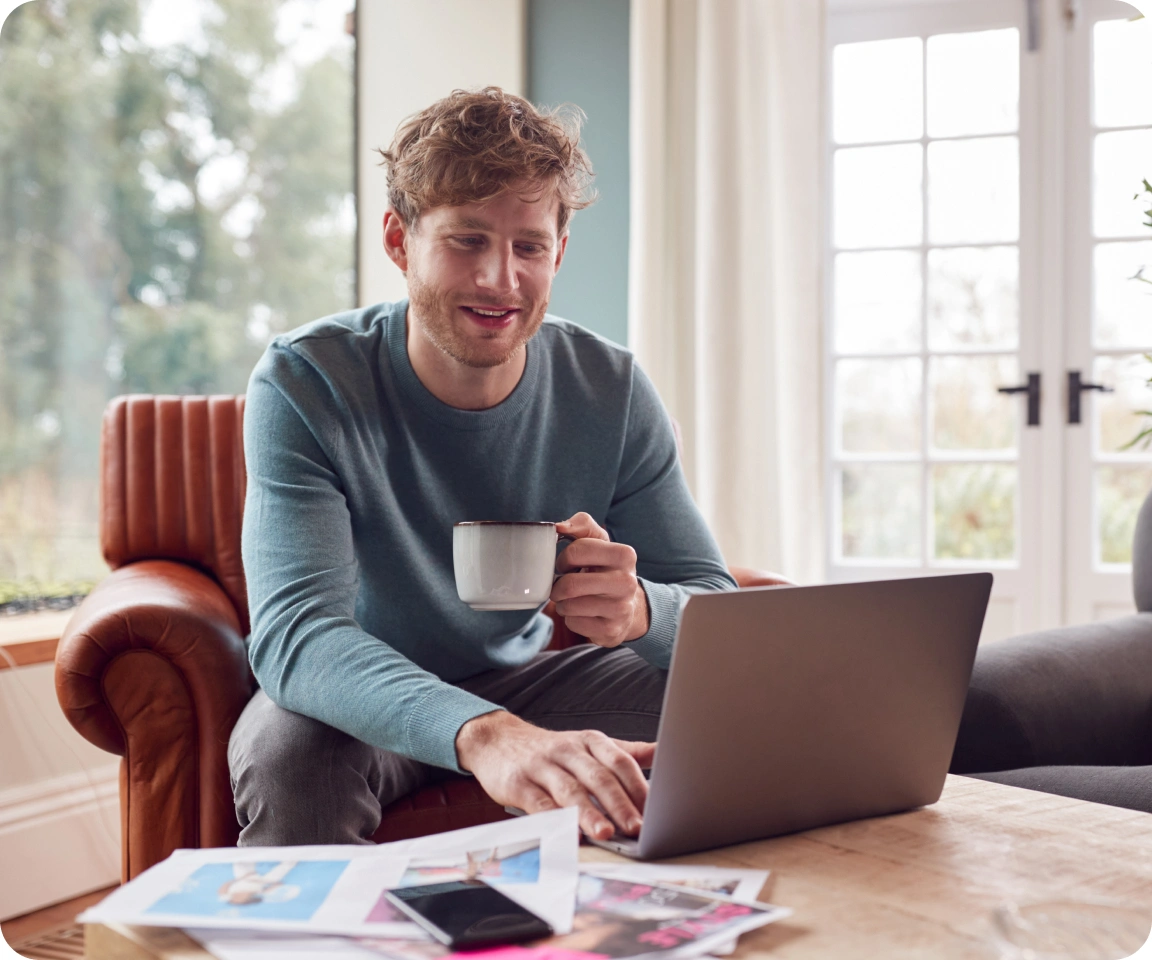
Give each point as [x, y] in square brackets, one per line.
[665, 602]
[435, 721]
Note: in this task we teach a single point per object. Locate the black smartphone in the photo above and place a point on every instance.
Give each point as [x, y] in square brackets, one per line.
[469, 914]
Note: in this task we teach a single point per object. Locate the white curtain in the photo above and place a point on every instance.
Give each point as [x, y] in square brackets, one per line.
[726, 251]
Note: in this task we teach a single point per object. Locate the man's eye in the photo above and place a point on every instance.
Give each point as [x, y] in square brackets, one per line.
[470, 241]
[530, 249]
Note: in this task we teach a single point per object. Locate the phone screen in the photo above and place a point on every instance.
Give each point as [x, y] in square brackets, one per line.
[468, 913]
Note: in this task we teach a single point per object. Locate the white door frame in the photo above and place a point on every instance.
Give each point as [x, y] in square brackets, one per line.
[1026, 593]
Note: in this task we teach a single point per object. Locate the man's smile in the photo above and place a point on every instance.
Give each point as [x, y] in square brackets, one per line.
[491, 318]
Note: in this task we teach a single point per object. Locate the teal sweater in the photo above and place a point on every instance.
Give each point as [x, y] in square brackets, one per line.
[356, 474]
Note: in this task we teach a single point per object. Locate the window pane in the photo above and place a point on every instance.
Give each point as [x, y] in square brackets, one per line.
[877, 196]
[974, 191]
[973, 83]
[175, 188]
[877, 91]
[877, 301]
[1121, 163]
[967, 412]
[878, 405]
[973, 297]
[974, 511]
[1117, 418]
[1122, 73]
[1122, 303]
[1120, 490]
[880, 512]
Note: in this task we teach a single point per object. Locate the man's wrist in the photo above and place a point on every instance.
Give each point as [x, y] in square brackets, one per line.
[642, 620]
[477, 734]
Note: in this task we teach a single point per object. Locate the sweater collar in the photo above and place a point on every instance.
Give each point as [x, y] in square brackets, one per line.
[421, 397]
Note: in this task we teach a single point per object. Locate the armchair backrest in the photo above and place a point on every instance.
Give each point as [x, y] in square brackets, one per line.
[172, 483]
[1142, 558]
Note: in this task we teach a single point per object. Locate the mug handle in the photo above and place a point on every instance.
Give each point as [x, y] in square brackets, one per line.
[561, 538]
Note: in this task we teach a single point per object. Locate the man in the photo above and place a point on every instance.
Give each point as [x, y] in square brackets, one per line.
[369, 434]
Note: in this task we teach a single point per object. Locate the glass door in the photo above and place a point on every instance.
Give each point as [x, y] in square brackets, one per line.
[934, 366]
[1109, 107]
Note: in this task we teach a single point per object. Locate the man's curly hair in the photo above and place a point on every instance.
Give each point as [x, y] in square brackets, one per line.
[473, 145]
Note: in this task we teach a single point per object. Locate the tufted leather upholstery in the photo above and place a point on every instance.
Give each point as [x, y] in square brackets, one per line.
[172, 483]
[152, 665]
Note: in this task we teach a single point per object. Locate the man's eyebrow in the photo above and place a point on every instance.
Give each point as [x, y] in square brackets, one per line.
[477, 223]
[469, 223]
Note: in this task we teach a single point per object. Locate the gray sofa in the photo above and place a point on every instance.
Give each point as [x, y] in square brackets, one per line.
[1069, 711]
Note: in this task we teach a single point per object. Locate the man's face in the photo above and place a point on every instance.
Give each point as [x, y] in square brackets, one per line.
[480, 274]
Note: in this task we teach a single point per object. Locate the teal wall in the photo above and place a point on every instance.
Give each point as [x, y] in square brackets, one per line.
[578, 53]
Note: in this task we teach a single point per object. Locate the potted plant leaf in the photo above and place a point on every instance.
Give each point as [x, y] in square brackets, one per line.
[1142, 275]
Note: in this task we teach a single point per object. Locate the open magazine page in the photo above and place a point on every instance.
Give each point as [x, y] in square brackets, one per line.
[736, 882]
[340, 889]
[329, 889]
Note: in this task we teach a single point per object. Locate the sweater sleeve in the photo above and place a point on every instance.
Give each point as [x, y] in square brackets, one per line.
[307, 650]
[653, 511]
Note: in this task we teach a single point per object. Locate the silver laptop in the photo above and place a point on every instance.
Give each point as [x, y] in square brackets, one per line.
[789, 708]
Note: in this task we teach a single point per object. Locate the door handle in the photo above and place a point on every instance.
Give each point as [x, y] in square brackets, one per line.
[1076, 386]
[1032, 388]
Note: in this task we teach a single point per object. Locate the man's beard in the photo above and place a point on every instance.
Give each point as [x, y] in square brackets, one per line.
[439, 319]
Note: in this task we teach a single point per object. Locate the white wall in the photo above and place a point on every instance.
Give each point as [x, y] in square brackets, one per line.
[410, 55]
[59, 812]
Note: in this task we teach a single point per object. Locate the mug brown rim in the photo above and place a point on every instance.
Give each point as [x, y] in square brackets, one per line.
[505, 523]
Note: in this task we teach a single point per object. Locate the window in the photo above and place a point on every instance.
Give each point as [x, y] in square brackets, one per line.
[985, 237]
[176, 187]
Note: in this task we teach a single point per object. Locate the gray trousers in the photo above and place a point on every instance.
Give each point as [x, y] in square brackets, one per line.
[298, 781]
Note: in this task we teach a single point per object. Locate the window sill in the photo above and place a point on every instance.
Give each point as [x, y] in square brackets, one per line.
[31, 638]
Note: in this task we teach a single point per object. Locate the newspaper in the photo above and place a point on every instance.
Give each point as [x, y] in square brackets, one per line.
[339, 889]
[616, 918]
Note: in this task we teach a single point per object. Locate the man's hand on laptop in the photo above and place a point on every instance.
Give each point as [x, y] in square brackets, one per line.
[598, 594]
[523, 766]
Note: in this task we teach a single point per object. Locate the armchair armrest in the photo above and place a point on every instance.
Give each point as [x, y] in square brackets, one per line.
[152, 667]
[1073, 695]
[749, 577]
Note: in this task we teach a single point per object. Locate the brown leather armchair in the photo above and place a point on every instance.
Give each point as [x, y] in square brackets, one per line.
[153, 665]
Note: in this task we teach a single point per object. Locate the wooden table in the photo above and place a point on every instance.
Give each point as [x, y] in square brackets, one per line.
[914, 885]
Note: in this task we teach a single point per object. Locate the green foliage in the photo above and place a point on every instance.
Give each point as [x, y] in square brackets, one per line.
[163, 212]
[1144, 436]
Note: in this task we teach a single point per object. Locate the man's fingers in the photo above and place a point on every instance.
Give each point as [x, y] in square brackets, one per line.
[596, 629]
[566, 790]
[602, 784]
[615, 584]
[580, 526]
[608, 608]
[624, 767]
[595, 553]
[532, 799]
[643, 753]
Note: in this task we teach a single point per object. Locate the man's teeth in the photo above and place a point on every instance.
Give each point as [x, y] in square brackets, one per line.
[488, 313]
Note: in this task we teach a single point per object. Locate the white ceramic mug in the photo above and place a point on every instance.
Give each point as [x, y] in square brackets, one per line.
[504, 565]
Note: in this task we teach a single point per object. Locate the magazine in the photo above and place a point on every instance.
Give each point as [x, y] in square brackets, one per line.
[737, 882]
[340, 889]
[615, 919]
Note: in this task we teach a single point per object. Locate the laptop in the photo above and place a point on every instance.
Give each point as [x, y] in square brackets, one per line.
[789, 708]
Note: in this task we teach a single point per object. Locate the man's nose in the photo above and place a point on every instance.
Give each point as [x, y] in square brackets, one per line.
[498, 270]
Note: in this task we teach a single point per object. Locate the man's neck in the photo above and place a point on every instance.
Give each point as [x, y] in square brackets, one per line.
[456, 383]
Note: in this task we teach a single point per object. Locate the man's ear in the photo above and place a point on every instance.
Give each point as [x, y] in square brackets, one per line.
[396, 239]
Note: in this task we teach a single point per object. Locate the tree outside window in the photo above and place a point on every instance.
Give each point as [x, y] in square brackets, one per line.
[176, 184]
